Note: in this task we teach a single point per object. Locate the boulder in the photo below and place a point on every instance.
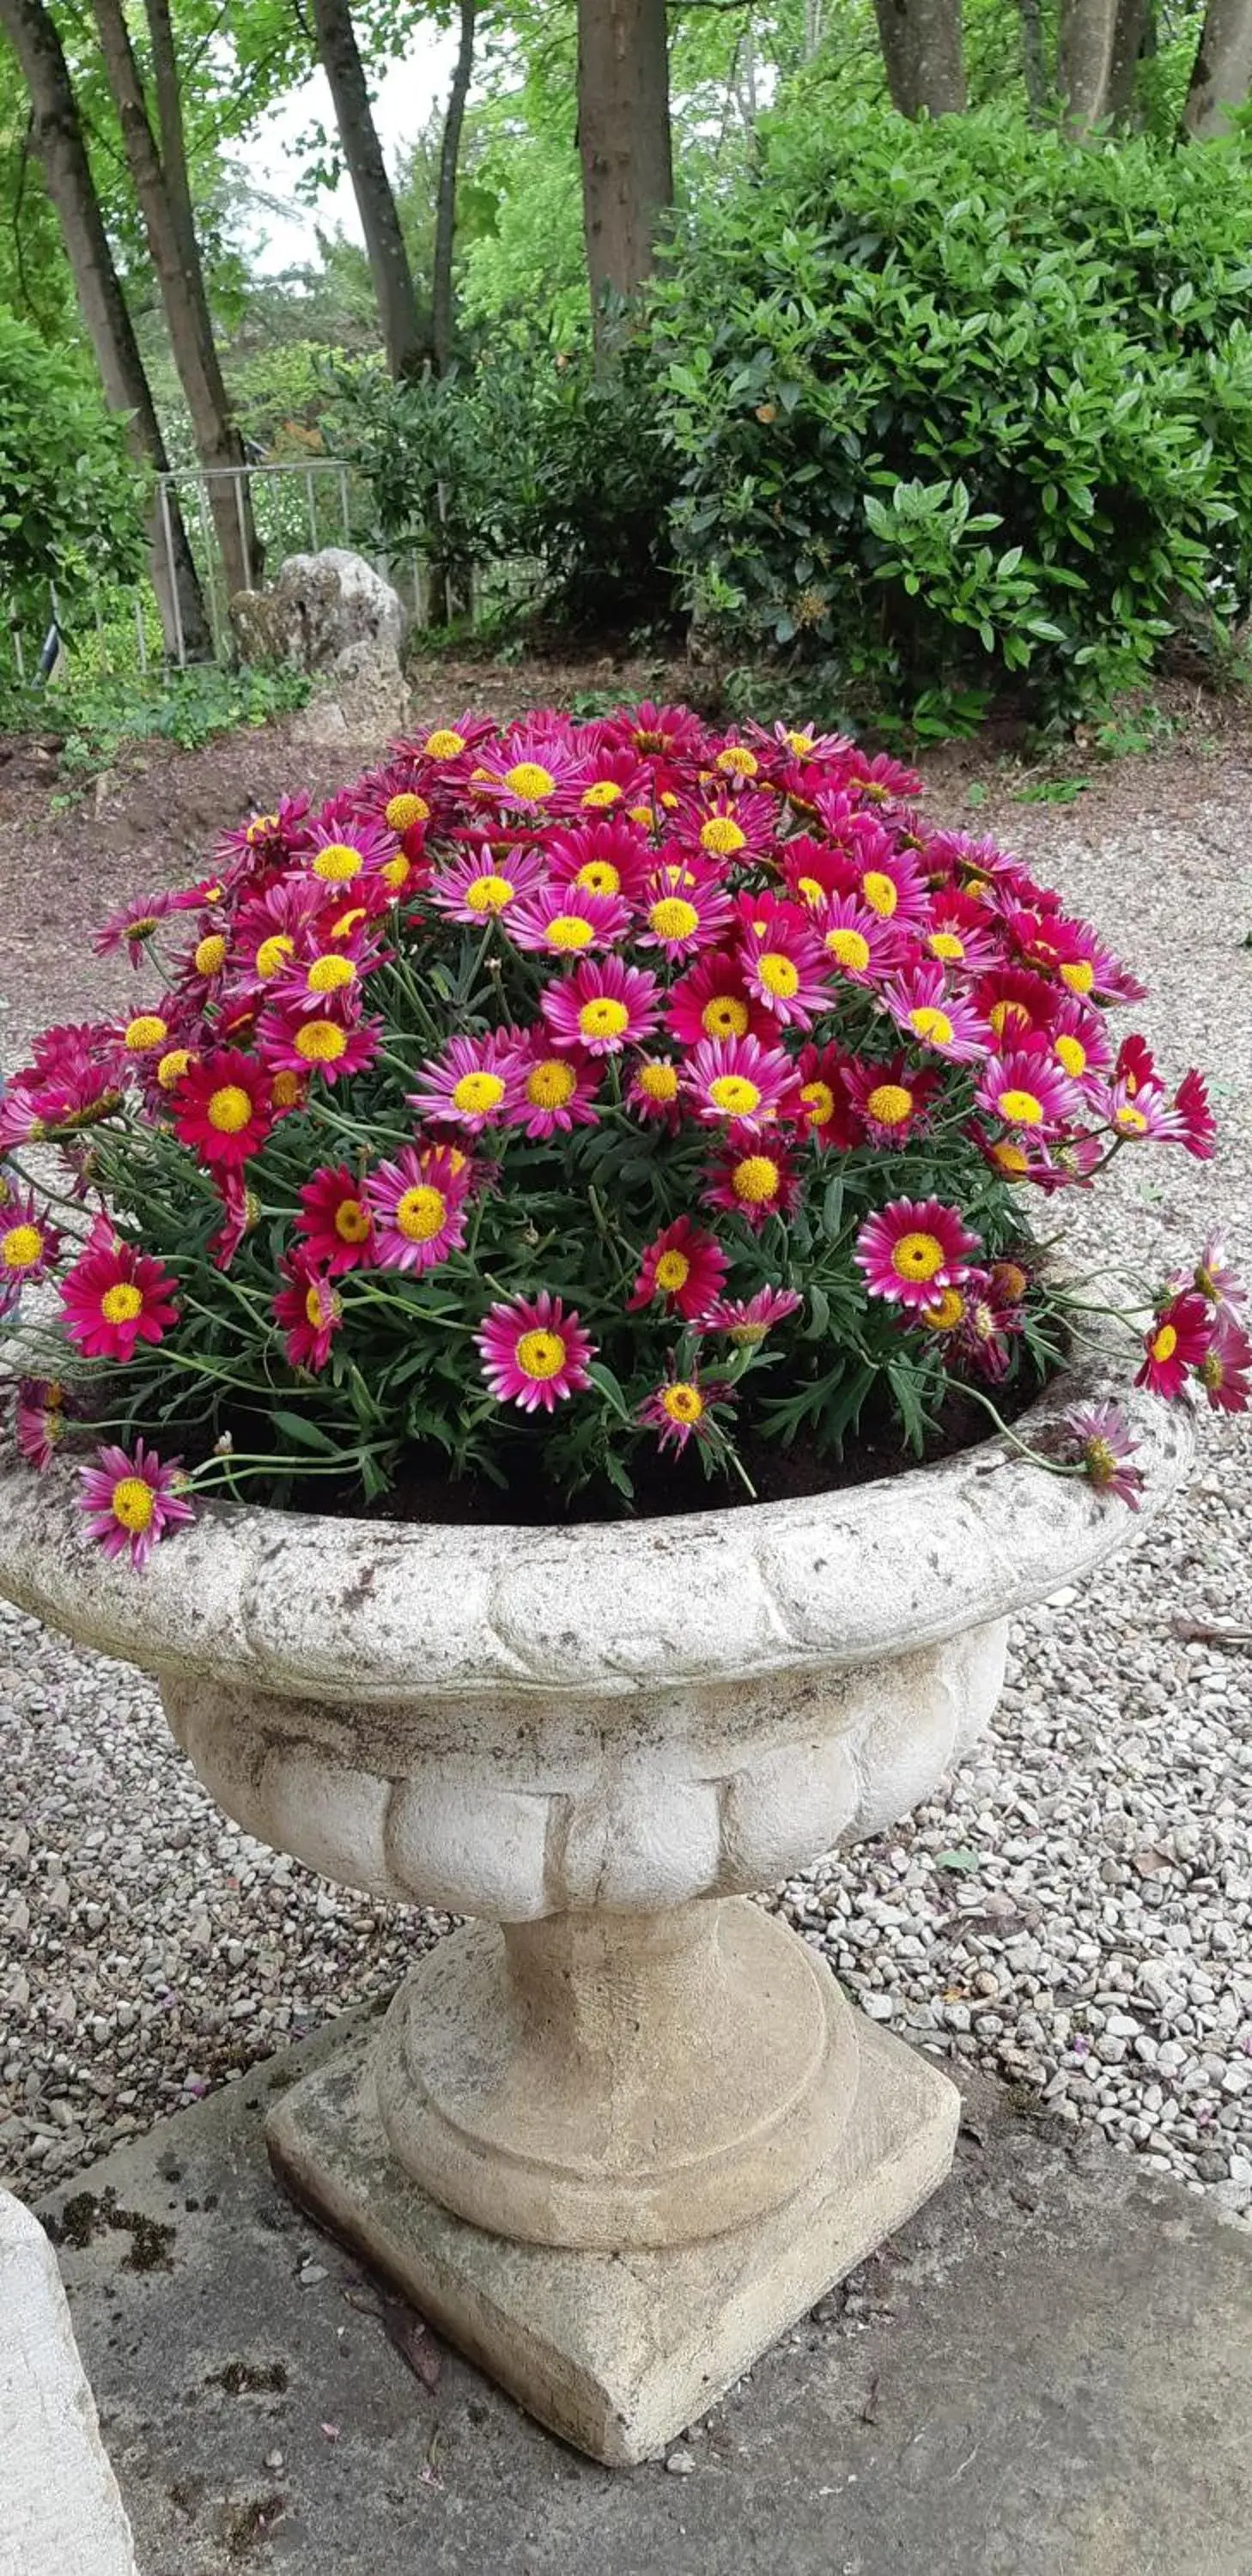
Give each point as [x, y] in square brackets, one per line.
[60, 2511]
[317, 608]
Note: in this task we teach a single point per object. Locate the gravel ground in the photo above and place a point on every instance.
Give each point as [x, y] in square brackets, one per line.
[1075, 1913]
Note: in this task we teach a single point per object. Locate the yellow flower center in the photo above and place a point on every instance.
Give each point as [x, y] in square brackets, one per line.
[528, 778]
[932, 1024]
[890, 1104]
[489, 893]
[478, 1093]
[603, 1018]
[673, 1270]
[570, 930]
[210, 956]
[400, 813]
[1164, 1343]
[1079, 974]
[132, 1503]
[850, 947]
[121, 1303]
[1131, 1121]
[602, 792]
[1007, 1015]
[172, 1067]
[320, 1309]
[801, 744]
[658, 1082]
[273, 953]
[917, 1256]
[819, 1100]
[330, 974]
[756, 1179]
[549, 1085]
[1021, 1108]
[944, 943]
[734, 1095]
[444, 744]
[1071, 1054]
[726, 1016]
[338, 863]
[946, 1313]
[599, 876]
[1011, 1158]
[321, 1042]
[352, 1222]
[347, 921]
[229, 1109]
[21, 1247]
[881, 893]
[641, 814]
[738, 761]
[286, 1089]
[540, 1354]
[722, 835]
[813, 891]
[145, 1032]
[780, 975]
[421, 1213]
[683, 1402]
[673, 917]
[259, 829]
[397, 872]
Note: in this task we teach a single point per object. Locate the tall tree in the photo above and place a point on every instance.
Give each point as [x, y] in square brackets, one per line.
[1222, 74]
[923, 55]
[57, 139]
[158, 173]
[406, 340]
[624, 144]
[1085, 60]
[1132, 31]
[445, 201]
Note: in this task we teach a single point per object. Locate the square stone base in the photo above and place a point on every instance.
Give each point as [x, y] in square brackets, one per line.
[618, 2352]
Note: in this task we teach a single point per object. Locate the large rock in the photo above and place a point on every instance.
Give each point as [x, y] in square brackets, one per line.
[60, 2511]
[331, 615]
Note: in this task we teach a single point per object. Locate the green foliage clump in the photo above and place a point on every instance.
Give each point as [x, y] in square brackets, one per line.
[960, 403]
[527, 457]
[70, 498]
[101, 716]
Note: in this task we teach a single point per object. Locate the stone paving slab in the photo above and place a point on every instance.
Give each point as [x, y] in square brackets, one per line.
[1048, 2373]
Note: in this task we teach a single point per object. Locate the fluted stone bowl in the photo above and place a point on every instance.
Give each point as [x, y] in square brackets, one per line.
[601, 1738]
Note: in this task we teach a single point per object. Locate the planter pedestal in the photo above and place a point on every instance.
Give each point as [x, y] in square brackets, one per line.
[617, 2344]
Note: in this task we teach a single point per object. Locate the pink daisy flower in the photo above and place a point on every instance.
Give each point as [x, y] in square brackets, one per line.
[890, 1100]
[1215, 1279]
[271, 926]
[269, 840]
[339, 854]
[562, 921]
[39, 1420]
[241, 1211]
[475, 1083]
[1027, 1090]
[655, 1091]
[115, 1297]
[309, 1310]
[318, 979]
[685, 1408]
[823, 1103]
[881, 779]
[603, 858]
[922, 1006]
[30, 1245]
[747, 1320]
[335, 1225]
[558, 1090]
[732, 829]
[486, 881]
[418, 1205]
[682, 908]
[785, 967]
[858, 944]
[133, 926]
[534, 1354]
[532, 773]
[684, 1267]
[603, 1006]
[132, 1501]
[1015, 1005]
[739, 1080]
[960, 934]
[1078, 1041]
[1104, 1446]
[326, 1042]
[913, 1248]
[1223, 1371]
[655, 732]
[1177, 1340]
[754, 1179]
[222, 1107]
[712, 1001]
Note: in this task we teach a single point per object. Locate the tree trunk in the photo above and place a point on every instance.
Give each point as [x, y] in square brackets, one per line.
[1130, 29]
[445, 202]
[1223, 69]
[57, 139]
[1034, 60]
[624, 146]
[1085, 60]
[219, 446]
[923, 55]
[407, 344]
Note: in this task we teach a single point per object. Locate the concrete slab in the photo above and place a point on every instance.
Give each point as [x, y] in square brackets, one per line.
[1047, 2373]
[60, 2511]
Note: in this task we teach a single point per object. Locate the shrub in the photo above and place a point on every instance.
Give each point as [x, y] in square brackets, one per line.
[70, 499]
[572, 1108]
[957, 403]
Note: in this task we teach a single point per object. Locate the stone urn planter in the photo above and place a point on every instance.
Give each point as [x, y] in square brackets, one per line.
[622, 2130]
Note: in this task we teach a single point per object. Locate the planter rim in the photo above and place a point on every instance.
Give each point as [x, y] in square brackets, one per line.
[376, 1612]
